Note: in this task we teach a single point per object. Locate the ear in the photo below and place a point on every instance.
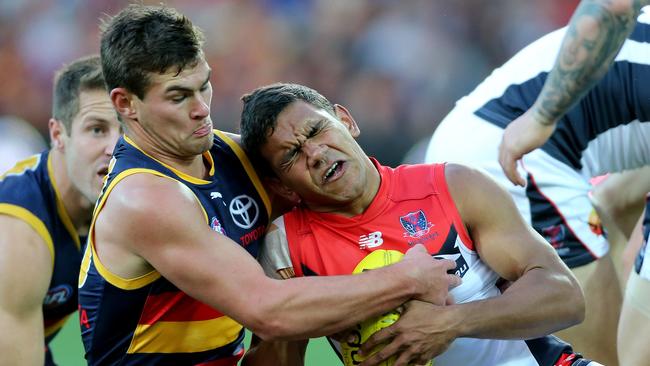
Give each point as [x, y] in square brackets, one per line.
[278, 188]
[123, 103]
[344, 115]
[57, 133]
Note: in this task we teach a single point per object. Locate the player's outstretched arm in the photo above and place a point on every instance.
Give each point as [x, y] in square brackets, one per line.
[25, 272]
[172, 236]
[594, 36]
[544, 296]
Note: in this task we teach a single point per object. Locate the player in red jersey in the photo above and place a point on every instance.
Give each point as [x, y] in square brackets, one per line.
[351, 206]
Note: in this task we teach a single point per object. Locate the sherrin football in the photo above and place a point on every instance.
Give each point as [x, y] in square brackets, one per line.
[363, 331]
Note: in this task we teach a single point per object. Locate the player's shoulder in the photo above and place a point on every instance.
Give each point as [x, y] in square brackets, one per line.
[150, 193]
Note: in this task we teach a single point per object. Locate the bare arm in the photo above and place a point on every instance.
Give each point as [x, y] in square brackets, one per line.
[25, 272]
[173, 237]
[544, 297]
[594, 36]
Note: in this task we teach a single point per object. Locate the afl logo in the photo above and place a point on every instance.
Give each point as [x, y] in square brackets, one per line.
[57, 295]
[216, 226]
[244, 211]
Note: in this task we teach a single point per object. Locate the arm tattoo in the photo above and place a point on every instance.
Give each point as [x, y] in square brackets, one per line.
[593, 39]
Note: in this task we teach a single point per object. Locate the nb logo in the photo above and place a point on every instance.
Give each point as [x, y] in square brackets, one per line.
[371, 240]
[244, 211]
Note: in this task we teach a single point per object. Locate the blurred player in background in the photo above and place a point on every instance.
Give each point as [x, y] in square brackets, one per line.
[351, 206]
[169, 274]
[46, 202]
[18, 140]
[608, 131]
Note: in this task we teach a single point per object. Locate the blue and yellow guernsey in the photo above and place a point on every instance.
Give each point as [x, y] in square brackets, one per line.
[28, 192]
[147, 320]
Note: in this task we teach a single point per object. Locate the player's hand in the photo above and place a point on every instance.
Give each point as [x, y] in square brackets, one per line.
[422, 332]
[522, 136]
[430, 273]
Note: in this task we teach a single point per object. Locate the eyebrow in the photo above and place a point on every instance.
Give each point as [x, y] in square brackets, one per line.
[182, 88]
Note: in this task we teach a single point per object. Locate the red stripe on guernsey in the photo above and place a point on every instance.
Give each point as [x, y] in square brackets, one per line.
[175, 307]
[230, 361]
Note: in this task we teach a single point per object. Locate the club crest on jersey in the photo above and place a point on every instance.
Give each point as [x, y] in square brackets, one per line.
[415, 224]
[216, 226]
[57, 296]
[555, 235]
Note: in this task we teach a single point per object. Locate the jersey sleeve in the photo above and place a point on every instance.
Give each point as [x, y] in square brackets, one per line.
[274, 255]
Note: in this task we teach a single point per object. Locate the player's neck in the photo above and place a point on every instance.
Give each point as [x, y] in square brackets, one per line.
[194, 166]
[76, 205]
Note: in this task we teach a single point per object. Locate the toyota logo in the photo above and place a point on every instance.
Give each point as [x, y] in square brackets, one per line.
[244, 211]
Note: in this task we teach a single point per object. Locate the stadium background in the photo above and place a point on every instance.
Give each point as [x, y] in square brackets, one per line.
[397, 65]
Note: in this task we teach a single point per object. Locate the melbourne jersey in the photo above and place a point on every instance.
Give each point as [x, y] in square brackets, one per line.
[28, 192]
[147, 320]
[620, 100]
[412, 206]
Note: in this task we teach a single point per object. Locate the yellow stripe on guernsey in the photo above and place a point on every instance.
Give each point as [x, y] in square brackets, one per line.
[56, 326]
[33, 221]
[249, 169]
[183, 176]
[197, 336]
[63, 214]
[27, 164]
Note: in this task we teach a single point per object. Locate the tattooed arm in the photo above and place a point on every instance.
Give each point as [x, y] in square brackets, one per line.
[594, 36]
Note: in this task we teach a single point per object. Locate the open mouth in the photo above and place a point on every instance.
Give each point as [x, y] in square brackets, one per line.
[334, 172]
[103, 171]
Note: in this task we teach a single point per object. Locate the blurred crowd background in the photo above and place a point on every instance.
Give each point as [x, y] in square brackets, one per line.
[398, 65]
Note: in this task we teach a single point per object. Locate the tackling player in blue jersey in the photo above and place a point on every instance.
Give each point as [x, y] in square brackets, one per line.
[46, 203]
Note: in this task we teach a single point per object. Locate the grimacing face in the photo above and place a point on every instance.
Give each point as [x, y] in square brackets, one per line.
[175, 111]
[89, 145]
[315, 155]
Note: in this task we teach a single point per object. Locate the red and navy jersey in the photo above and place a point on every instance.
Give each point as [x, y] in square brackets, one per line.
[28, 192]
[147, 320]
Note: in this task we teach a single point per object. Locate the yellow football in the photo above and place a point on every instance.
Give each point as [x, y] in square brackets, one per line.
[363, 331]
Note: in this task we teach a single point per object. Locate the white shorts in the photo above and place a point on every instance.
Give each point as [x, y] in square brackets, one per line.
[555, 201]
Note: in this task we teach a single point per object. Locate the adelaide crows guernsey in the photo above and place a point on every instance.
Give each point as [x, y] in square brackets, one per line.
[28, 192]
[147, 320]
[413, 205]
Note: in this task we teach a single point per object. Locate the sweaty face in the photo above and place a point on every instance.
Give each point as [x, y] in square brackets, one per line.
[175, 111]
[315, 155]
[89, 146]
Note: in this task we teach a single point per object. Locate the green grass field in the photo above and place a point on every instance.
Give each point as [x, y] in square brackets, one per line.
[68, 350]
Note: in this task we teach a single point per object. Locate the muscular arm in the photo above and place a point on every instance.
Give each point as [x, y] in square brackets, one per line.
[172, 236]
[25, 272]
[544, 297]
[594, 36]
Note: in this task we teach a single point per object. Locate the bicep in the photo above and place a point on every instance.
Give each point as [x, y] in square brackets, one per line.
[25, 272]
[504, 241]
[174, 238]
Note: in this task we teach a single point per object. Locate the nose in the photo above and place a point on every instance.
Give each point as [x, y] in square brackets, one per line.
[112, 141]
[200, 109]
[315, 154]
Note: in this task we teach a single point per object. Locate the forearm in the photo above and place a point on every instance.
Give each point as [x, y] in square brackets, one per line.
[539, 303]
[594, 36]
[315, 306]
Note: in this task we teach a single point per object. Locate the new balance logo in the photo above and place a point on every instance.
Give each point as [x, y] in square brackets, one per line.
[371, 240]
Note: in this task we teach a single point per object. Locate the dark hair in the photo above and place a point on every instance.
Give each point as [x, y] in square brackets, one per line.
[147, 39]
[69, 81]
[261, 110]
